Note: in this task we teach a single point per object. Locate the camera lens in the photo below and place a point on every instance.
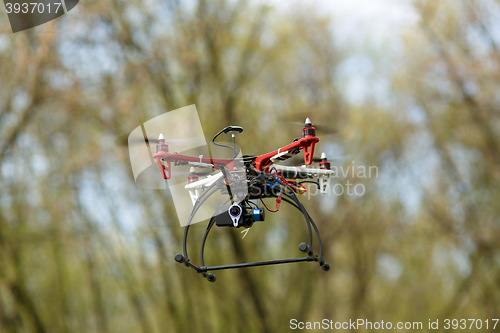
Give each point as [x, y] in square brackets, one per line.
[235, 210]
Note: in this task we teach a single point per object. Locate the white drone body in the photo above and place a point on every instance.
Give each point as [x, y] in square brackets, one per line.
[324, 177]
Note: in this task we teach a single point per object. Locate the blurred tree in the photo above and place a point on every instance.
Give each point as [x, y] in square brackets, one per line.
[84, 249]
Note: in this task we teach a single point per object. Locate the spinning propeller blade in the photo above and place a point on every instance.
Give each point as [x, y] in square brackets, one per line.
[324, 129]
[123, 141]
[320, 128]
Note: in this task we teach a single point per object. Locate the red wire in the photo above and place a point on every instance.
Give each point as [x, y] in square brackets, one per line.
[278, 199]
[299, 184]
[292, 181]
[278, 203]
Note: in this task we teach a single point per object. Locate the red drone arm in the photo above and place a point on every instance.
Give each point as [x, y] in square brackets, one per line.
[307, 143]
[169, 157]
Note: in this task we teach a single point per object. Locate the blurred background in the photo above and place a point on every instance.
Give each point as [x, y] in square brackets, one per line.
[412, 87]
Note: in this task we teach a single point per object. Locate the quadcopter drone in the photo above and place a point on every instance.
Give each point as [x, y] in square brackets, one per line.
[246, 179]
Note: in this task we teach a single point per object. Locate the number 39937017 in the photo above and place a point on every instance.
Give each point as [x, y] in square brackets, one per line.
[32, 8]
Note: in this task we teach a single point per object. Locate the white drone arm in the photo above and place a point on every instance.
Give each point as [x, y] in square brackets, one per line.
[323, 175]
[195, 188]
[315, 172]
